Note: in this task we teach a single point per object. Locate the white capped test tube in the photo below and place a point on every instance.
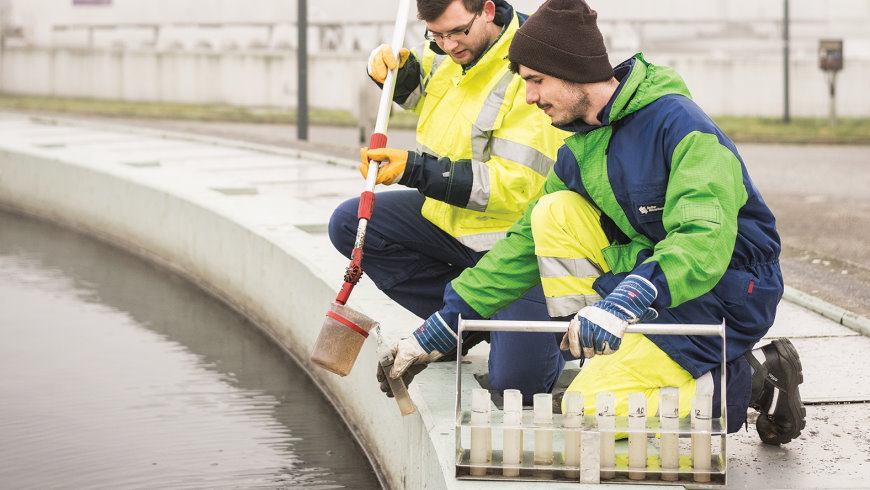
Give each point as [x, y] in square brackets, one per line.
[481, 437]
[573, 421]
[543, 405]
[512, 452]
[702, 415]
[605, 403]
[397, 386]
[637, 436]
[669, 416]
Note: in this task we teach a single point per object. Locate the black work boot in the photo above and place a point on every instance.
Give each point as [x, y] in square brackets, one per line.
[775, 392]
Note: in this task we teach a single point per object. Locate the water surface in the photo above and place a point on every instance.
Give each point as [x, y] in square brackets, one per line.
[115, 374]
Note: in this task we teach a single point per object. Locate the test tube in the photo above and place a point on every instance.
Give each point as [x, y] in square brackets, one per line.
[702, 415]
[605, 403]
[669, 446]
[543, 405]
[397, 386]
[637, 436]
[481, 437]
[512, 452]
[573, 421]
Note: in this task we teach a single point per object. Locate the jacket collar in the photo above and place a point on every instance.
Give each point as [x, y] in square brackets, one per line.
[640, 84]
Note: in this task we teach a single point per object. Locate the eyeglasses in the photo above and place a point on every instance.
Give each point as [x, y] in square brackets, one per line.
[437, 36]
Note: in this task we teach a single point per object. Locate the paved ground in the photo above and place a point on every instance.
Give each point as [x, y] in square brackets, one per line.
[834, 450]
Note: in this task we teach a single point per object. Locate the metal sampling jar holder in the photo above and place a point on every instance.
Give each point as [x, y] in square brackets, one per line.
[678, 451]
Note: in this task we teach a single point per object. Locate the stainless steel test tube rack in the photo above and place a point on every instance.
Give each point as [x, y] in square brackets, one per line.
[590, 469]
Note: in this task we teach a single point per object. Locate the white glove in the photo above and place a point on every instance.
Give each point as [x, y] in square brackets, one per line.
[407, 352]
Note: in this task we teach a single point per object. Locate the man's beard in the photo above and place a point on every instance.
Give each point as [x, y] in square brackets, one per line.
[577, 109]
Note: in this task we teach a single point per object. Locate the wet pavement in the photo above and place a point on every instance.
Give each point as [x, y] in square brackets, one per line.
[834, 450]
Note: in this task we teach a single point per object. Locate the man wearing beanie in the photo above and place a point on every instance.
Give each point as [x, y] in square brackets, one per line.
[482, 155]
[651, 204]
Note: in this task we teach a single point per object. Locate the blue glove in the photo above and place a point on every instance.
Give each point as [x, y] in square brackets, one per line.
[598, 329]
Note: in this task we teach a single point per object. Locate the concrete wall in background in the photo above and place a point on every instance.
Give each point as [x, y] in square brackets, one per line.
[242, 52]
[268, 79]
[255, 79]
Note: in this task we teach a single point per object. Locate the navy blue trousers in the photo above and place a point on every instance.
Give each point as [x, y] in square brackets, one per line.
[411, 261]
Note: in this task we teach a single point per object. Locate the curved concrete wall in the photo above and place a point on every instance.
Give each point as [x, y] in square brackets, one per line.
[243, 244]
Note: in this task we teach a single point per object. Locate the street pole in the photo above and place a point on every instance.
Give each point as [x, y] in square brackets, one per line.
[302, 61]
[786, 118]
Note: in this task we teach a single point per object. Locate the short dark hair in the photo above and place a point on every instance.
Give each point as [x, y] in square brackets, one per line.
[514, 67]
[429, 10]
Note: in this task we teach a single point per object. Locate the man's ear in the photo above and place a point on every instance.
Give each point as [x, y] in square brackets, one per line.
[489, 10]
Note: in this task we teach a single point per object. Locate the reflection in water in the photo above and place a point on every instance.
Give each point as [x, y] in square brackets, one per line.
[114, 374]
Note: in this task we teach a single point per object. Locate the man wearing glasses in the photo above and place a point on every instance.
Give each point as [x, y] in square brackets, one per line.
[482, 155]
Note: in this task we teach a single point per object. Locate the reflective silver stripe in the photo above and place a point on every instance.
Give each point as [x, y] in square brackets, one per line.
[569, 305]
[480, 188]
[561, 267]
[522, 154]
[421, 148]
[481, 242]
[413, 98]
[481, 129]
[555, 267]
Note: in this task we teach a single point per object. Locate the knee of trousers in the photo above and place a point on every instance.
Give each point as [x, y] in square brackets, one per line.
[564, 218]
[343, 225]
[569, 242]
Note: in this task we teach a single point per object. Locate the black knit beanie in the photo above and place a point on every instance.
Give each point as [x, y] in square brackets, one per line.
[562, 40]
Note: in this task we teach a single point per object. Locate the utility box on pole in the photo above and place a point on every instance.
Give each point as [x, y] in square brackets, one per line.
[831, 61]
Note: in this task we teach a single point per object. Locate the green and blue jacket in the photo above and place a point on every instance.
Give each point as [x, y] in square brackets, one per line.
[679, 209]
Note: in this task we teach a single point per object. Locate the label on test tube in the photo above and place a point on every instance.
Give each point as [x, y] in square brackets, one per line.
[512, 452]
[397, 386]
[605, 403]
[573, 421]
[702, 415]
[481, 437]
[636, 436]
[669, 416]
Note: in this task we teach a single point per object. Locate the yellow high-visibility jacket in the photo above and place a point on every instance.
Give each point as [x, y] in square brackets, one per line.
[482, 152]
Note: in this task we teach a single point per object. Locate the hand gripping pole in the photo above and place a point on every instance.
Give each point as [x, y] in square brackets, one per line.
[354, 271]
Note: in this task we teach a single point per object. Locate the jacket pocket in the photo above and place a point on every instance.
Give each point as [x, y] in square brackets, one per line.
[735, 287]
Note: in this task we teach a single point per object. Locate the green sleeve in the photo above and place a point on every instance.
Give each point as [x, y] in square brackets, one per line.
[507, 271]
[705, 194]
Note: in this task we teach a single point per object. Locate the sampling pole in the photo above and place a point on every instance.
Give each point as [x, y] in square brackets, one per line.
[378, 140]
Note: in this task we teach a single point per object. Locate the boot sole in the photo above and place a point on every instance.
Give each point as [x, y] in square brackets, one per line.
[788, 354]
